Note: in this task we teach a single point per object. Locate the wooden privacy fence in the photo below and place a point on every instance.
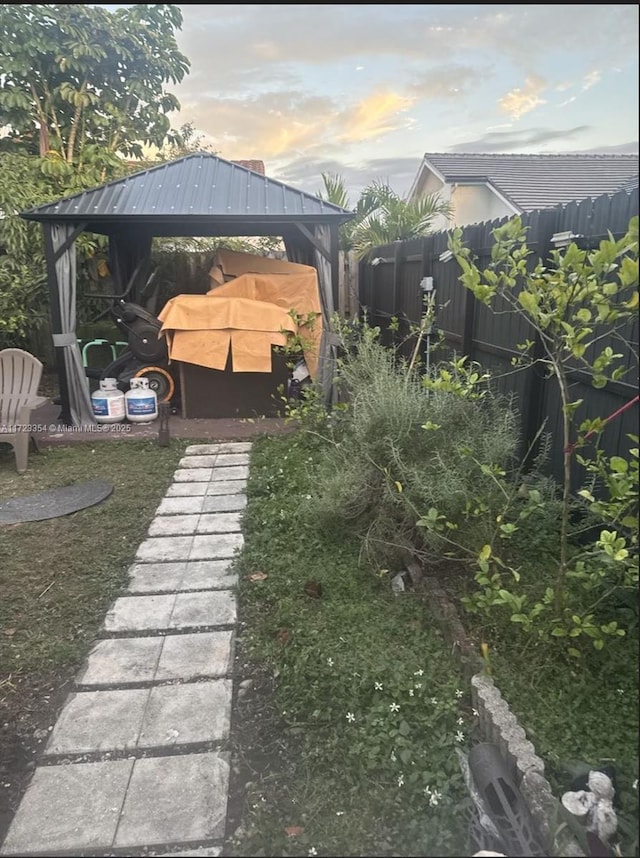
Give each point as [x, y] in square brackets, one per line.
[391, 288]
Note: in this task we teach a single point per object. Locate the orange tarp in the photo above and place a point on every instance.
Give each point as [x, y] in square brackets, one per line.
[249, 309]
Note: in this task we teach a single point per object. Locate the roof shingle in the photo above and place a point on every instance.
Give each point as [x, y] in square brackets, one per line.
[539, 181]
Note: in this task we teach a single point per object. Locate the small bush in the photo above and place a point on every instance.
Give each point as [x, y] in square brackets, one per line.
[404, 450]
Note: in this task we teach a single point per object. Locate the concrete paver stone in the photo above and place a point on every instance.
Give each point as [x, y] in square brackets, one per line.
[123, 661]
[122, 720]
[186, 714]
[226, 487]
[186, 489]
[140, 613]
[224, 503]
[135, 661]
[192, 475]
[216, 546]
[205, 852]
[220, 522]
[223, 447]
[235, 472]
[165, 548]
[93, 721]
[203, 609]
[59, 803]
[191, 656]
[174, 525]
[181, 576]
[223, 460]
[197, 462]
[183, 505]
[175, 799]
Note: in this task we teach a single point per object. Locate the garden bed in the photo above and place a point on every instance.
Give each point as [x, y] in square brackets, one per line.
[350, 703]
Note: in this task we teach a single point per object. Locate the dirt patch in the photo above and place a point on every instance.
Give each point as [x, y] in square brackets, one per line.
[259, 750]
[29, 709]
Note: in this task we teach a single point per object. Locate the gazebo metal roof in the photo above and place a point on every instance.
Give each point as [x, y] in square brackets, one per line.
[199, 194]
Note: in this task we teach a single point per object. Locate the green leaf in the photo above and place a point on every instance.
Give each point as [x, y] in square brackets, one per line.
[619, 465]
[485, 553]
[404, 728]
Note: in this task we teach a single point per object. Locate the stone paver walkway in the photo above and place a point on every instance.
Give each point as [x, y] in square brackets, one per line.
[134, 764]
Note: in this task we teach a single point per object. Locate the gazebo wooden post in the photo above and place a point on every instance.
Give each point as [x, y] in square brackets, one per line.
[56, 324]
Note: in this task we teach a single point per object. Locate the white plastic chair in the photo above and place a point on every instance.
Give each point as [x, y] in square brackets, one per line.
[20, 374]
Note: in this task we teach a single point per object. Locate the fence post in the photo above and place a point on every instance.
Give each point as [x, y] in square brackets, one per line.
[397, 272]
[547, 226]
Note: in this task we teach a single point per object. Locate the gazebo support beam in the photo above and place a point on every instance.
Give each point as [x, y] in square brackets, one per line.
[55, 314]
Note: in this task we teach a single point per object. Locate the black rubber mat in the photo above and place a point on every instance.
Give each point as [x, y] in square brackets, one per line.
[55, 502]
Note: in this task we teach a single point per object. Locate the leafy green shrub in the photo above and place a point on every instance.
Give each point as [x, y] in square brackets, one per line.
[404, 452]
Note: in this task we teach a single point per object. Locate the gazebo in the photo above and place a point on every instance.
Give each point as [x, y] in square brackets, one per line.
[198, 195]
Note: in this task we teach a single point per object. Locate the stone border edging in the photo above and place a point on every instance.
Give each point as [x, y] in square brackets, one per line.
[498, 725]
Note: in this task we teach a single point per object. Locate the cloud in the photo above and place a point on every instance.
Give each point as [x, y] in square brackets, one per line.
[306, 173]
[284, 124]
[225, 37]
[523, 100]
[516, 141]
[630, 148]
[591, 79]
[449, 81]
[375, 116]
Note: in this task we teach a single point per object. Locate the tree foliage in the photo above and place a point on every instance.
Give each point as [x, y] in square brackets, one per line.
[381, 215]
[81, 90]
[80, 80]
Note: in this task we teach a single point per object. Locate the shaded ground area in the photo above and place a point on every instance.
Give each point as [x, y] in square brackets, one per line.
[219, 429]
[29, 707]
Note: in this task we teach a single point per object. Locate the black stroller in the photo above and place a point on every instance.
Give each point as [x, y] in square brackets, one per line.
[145, 355]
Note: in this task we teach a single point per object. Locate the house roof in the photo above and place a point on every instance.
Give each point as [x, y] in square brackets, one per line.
[538, 181]
[256, 166]
[200, 194]
[630, 184]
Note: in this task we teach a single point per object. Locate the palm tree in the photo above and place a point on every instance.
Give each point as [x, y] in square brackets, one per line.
[381, 215]
[335, 192]
[392, 218]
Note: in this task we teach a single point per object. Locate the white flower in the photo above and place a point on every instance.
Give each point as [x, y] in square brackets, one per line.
[459, 693]
[401, 780]
[427, 790]
[350, 717]
[418, 685]
[476, 714]
[434, 798]
[418, 672]
[394, 707]
[330, 662]
[460, 721]
[393, 757]
[378, 686]
[411, 692]
[339, 812]
[459, 736]
[434, 700]
[312, 851]
[620, 690]
[634, 785]
[308, 497]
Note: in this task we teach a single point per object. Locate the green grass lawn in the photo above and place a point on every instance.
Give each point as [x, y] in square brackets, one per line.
[58, 576]
[354, 752]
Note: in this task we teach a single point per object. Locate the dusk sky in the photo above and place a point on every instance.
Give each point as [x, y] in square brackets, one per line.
[364, 91]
